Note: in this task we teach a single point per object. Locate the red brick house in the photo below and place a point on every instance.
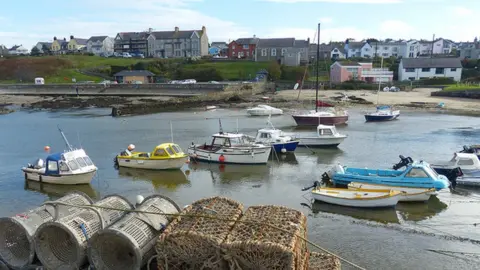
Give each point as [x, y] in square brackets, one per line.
[243, 48]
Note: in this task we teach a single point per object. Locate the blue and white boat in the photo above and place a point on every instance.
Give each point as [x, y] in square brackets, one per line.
[417, 174]
[383, 113]
[277, 139]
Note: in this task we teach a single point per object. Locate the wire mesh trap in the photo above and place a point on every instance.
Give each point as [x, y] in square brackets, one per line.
[322, 261]
[192, 242]
[266, 237]
[62, 244]
[129, 243]
[17, 248]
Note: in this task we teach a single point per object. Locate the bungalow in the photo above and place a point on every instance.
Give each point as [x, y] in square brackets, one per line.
[423, 68]
[243, 48]
[347, 70]
[134, 76]
[18, 50]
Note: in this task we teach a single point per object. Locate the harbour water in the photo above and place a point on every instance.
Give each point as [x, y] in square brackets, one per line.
[412, 236]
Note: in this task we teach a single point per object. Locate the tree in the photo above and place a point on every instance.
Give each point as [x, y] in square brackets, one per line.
[35, 51]
[274, 71]
[46, 50]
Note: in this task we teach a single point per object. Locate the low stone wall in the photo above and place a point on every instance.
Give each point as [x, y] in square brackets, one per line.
[157, 89]
[459, 94]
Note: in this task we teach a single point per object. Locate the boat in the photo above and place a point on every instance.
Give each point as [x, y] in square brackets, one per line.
[383, 113]
[279, 141]
[210, 108]
[71, 167]
[365, 198]
[408, 194]
[468, 163]
[467, 181]
[264, 110]
[472, 149]
[417, 174]
[325, 116]
[326, 136]
[166, 156]
[232, 148]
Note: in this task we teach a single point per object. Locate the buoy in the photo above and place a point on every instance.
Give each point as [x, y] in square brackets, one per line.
[283, 150]
[139, 199]
[131, 147]
[46, 148]
[221, 158]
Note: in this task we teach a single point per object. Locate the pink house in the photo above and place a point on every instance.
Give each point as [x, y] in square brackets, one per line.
[346, 70]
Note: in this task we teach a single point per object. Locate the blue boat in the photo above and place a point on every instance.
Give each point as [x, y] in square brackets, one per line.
[383, 113]
[280, 142]
[417, 174]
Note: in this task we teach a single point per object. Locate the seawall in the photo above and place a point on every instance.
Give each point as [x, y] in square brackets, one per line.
[157, 89]
[459, 94]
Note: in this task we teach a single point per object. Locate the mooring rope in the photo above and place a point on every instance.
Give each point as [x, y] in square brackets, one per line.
[213, 217]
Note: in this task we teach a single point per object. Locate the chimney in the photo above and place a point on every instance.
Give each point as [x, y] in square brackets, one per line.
[254, 36]
[71, 37]
[204, 29]
[54, 38]
[176, 29]
[64, 39]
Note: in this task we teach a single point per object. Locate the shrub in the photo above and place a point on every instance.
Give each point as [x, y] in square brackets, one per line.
[437, 81]
[199, 74]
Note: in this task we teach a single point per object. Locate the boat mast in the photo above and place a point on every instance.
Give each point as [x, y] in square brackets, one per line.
[171, 131]
[65, 139]
[379, 81]
[318, 60]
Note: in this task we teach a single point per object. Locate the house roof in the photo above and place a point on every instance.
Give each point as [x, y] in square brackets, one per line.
[133, 35]
[347, 63]
[97, 38]
[276, 42]
[219, 43]
[247, 41]
[431, 63]
[300, 43]
[81, 41]
[175, 34]
[133, 73]
[356, 45]
[14, 47]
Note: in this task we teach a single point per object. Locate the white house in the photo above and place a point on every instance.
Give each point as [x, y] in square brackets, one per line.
[440, 46]
[18, 50]
[100, 45]
[359, 49]
[424, 68]
[337, 53]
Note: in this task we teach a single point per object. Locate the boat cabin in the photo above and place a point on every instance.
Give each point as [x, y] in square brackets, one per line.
[268, 134]
[166, 150]
[323, 130]
[465, 161]
[68, 163]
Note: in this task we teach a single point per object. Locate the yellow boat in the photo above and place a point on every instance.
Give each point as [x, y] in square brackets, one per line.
[165, 156]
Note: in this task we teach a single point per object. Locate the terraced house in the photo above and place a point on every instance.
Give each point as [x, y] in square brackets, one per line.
[131, 42]
[287, 51]
[178, 43]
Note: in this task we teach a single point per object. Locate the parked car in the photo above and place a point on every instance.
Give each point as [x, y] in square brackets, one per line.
[126, 55]
[189, 81]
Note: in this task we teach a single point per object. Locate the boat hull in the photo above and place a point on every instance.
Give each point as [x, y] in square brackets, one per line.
[66, 179]
[320, 142]
[264, 113]
[389, 201]
[231, 156]
[408, 194]
[380, 118]
[468, 181]
[304, 120]
[289, 146]
[152, 164]
[445, 170]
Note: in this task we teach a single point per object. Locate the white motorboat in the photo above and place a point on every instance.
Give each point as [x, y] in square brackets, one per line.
[230, 148]
[408, 194]
[71, 167]
[383, 113]
[276, 138]
[468, 163]
[365, 198]
[327, 136]
[264, 110]
[210, 108]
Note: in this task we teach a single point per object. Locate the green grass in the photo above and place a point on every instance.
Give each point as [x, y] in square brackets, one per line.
[462, 87]
[81, 61]
[233, 70]
[320, 78]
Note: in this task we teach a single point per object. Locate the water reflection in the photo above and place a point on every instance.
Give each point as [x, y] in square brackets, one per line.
[422, 210]
[170, 179]
[55, 191]
[229, 173]
[288, 158]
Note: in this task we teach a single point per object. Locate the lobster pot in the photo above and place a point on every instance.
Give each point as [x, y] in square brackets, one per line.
[17, 248]
[321, 261]
[62, 244]
[253, 244]
[129, 243]
[191, 242]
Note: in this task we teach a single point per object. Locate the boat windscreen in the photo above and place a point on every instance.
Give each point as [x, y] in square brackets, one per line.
[73, 165]
[88, 161]
[170, 151]
[81, 162]
[176, 148]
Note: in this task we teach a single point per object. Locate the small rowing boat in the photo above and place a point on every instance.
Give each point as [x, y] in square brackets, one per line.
[408, 194]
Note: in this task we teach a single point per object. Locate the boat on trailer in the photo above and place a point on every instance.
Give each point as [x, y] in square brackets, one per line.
[166, 156]
[71, 167]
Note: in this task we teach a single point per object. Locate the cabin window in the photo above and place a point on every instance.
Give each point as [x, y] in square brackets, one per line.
[176, 148]
[160, 153]
[73, 165]
[464, 162]
[81, 162]
[236, 141]
[326, 132]
[417, 173]
[264, 135]
[170, 151]
[88, 161]
[221, 141]
[63, 166]
[52, 166]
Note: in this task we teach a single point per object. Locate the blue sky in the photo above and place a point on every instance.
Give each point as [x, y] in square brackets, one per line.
[35, 20]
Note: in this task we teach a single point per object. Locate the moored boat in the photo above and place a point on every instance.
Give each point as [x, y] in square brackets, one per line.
[264, 110]
[72, 167]
[279, 141]
[210, 108]
[383, 113]
[469, 163]
[472, 149]
[326, 136]
[165, 156]
[407, 194]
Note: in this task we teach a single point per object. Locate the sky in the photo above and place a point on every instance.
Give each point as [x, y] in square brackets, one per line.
[35, 21]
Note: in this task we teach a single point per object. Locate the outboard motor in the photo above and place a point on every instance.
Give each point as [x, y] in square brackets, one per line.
[39, 163]
[315, 184]
[467, 149]
[404, 161]
[453, 174]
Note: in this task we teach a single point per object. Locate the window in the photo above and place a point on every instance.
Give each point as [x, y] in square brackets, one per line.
[73, 165]
[385, 48]
[245, 47]
[233, 53]
[52, 165]
[264, 135]
[176, 148]
[417, 173]
[425, 69]
[385, 54]
[465, 162]
[440, 71]
[63, 166]
[453, 69]
[411, 78]
[264, 52]
[412, 48]
[88, 161]
[367, 49]
[274, 52]
[284, 51]
[160, 153]
[233, 47]
[326, 132]
[170, 151]
[221, 141]
[81, 162]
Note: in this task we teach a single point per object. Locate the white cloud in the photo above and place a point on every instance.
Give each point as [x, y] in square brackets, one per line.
[462, 11]
[326, 20]
[394, 27]
[338, 1]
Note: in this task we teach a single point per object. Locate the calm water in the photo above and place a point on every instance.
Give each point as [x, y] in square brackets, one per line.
[376, 239]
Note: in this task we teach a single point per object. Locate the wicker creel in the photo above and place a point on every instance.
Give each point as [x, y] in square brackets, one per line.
[17, 248]
[322, 261]
[62, 244]
[129, 243]
[266, 237]
[192, 242]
